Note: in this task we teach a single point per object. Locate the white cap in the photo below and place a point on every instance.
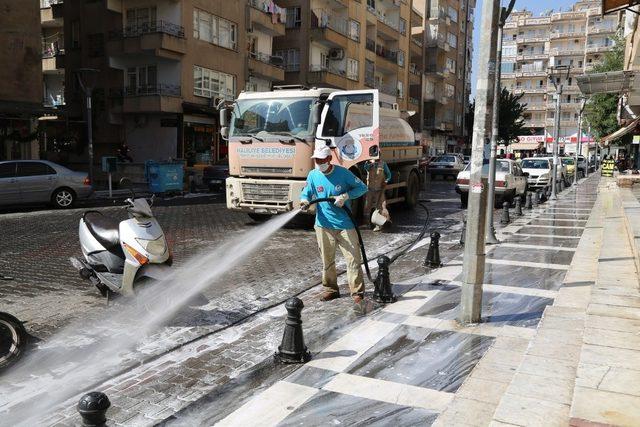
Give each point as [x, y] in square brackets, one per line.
[321, 152]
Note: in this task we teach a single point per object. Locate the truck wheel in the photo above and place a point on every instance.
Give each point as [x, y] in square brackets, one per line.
[13, 339]
[412, 191]
[259, 217]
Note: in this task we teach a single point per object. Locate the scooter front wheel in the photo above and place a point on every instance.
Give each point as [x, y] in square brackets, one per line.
[13, 338]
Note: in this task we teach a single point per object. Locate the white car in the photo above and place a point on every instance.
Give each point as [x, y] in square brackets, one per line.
[511, 181]
[445, 165]
[539, 171]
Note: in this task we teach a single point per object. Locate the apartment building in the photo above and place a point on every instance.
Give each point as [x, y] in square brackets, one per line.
[20, 79]
[162, 67]
[447, 85]
[353, 45]
[533, 46]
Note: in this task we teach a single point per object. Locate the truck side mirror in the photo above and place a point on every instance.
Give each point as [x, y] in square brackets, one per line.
[224, 117]
[224, 132]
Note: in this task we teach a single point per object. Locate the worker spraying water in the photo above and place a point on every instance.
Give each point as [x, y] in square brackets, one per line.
[333, 225]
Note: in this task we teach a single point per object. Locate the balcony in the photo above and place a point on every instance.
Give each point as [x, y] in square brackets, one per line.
[53, 99]
[415, 47]
[531, 73]
[601, 30]
[387, 89]
[262, 20]
[433, 123]
[329, 30]
[52, 13]
[538, 89]
[537, 21]
[534, 123]
[510, 25]
[266, 66]
[414, 69]
[568, 16]
[567, 35]
[159, 98]
[416, 17]
[436, 70]
[388, 29]
[331, 76]
[536, 106]
[428, 97]
[159, 38]
[532, 39]
[598, 48]
[532, 56]
[566, 52]
[391, 57]
[53, 57]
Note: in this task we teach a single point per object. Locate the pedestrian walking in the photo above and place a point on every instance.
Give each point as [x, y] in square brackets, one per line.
[333, 225]
[378, 176]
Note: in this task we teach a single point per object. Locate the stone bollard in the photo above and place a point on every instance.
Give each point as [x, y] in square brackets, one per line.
[463, 235]
[505, 214]
[537, 197]
[518, 206]
[292, 348]
[560, 186]
[433, 255]
[93, 409]
[382, 291]
[527, 204]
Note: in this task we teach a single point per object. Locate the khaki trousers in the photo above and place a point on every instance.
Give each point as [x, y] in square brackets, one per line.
[347, 241]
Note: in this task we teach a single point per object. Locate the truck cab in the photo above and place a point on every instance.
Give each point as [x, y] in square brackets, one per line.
[272, 136]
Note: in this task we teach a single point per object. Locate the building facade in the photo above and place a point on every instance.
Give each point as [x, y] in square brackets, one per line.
[447, 85]
[21, 91]
[534, 46]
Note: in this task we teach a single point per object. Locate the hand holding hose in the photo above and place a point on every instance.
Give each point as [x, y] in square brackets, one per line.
[341, 199]
[304, 205]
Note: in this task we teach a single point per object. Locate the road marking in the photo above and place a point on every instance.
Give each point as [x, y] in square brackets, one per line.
[389, 391]
[554, 226]
[483, 329]
[527, 264]
[534, 292]
[561, 219]
[528, 246]
[271, 406]
[543, 235]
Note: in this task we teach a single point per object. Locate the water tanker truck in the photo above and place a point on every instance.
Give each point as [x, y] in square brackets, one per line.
[271, 137]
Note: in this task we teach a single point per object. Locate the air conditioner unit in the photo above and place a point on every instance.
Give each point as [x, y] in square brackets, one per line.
[336, 54]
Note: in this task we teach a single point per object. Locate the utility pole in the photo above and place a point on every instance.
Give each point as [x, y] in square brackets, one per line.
[474, 249]
[491, 195]
[87, 78]
[579, 141]
[556, 138]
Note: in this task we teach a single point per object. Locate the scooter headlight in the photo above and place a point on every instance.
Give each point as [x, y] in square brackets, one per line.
[154, 247]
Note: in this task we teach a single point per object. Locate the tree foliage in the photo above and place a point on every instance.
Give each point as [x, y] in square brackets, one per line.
[602, 109]
[510, 120]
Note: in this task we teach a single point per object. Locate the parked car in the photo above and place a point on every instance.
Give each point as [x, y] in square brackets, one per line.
[214, 176]
[445, 165]
[539, 170]
[466, 160]
[41, 181]
[570, 165]
[511, 181]
[582, 165]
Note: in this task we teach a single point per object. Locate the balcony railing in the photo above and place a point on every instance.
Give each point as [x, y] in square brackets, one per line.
[568, 15]
[391, 55]
[319, 68]
[161, 26]
[276, 61]
[52, 49]
[387, 89]
[602, 30]
[593, 48]
[264, 6]
[416, 41]
[48, 3]
[328, 19]
[556, 51]
[53, 99]
[567, 34]
[371, 45]
[160, 89]
[413, 69]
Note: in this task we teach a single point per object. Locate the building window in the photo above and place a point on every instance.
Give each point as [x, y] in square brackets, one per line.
[352, 69]
[140, 20]
[449, 90]
[354, 30]
[369, 73]
[452, 39]
[216, 30]
[403, 26]
[290, 59]
[453, 14]
[213, 84]
[451, 65]
[75, 34]
[96, 45]
[294, 17]
[400, 89]
[400, 60]
[142, 80]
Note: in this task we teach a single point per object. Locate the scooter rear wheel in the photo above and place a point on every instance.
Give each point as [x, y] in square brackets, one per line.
[13, 338]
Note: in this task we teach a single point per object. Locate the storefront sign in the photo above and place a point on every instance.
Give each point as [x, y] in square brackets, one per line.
[531, 138]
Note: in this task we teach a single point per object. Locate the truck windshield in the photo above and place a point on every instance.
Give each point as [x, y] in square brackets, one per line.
[273, 116]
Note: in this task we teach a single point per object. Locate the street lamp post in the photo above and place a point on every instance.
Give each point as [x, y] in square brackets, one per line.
[579, 141]
[491, 194]
[474, 248]
[556, 138]
[87, 79]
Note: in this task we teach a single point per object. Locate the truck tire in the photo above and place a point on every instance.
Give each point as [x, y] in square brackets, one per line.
[412, 191]
[13, 338]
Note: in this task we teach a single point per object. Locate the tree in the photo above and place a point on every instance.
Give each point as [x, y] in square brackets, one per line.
[510, 120]
[601, 111]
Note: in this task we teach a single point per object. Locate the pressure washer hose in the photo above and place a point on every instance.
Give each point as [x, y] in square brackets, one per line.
[405, 247]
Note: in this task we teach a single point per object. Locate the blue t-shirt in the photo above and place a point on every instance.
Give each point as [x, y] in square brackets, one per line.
[339, 181]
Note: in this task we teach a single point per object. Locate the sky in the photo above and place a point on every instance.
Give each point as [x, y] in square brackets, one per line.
[535, 6]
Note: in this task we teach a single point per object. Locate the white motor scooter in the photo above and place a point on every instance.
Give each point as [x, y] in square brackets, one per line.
[119, 255]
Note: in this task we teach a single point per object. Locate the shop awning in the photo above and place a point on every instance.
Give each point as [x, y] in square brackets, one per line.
[610, 6]
[610, 82]
[621, 132]
[525, 145]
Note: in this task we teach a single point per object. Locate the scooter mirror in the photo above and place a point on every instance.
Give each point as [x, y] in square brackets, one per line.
[126, 182]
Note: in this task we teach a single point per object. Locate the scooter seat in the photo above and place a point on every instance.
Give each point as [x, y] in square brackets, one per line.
[104, 229]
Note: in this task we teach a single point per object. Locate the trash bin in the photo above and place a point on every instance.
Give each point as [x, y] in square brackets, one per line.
[164, 177]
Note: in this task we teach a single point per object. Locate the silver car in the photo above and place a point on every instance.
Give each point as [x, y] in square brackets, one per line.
[41, 181]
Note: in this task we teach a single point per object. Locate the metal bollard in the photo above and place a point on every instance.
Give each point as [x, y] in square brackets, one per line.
[93, 409]
[433, 255]
[536, 198]
[382, 291]
[518, 206]
[527, 204]
[464, 231]
[292, 349]
[505, 214]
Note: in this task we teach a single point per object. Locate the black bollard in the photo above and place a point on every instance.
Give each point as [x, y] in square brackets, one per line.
[292, 348]
[536, 198]
[527, 204]
[382, 291]
[93, 409]
[433, 256]
[463, 235]
[505, 214]
[518, 206]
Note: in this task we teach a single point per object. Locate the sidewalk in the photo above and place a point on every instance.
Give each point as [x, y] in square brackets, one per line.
[559, 343]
